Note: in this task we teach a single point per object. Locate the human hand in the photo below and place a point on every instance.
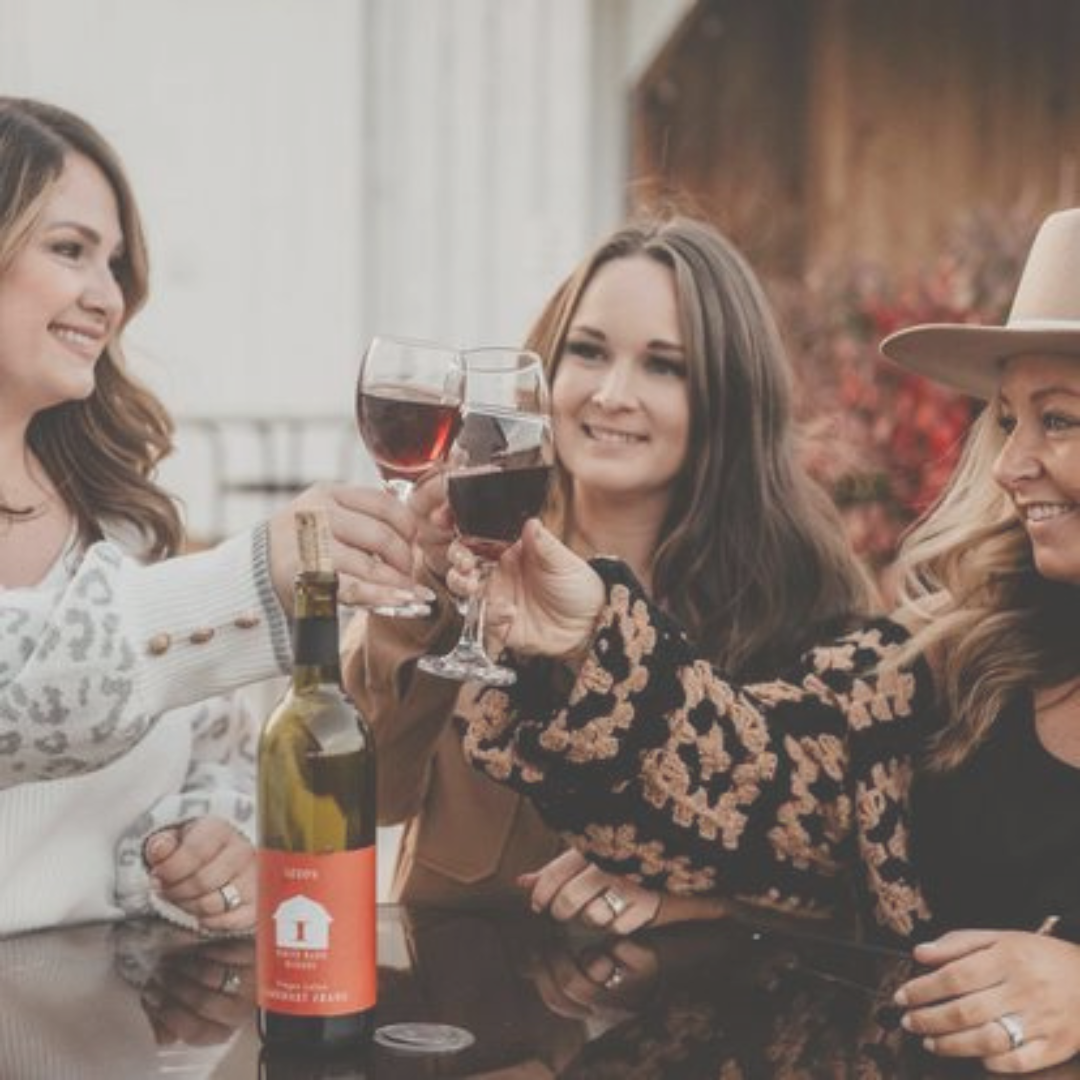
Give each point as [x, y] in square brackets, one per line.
[982, 976]
[199, 996]
[542, 598]
[571, 888]
[434, 521]
[206, 868]
[600, 982]
[371, 548]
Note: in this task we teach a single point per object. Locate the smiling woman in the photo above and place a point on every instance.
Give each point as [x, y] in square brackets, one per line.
[125, 788]
[1039, 465]
[75, 271]
[621, 399]
[671, 404]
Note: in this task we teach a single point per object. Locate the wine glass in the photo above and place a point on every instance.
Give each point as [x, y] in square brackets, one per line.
[408, 407]
[497, 478]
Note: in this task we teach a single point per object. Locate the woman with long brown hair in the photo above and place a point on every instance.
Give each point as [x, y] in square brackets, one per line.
[113, 800]
[671, 404]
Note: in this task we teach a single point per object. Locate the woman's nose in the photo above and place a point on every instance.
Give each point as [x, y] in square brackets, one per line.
[1018, 461]
[615, 390]
[103, 295]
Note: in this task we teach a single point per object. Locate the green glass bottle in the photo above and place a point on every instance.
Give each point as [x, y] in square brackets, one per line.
[316, 931]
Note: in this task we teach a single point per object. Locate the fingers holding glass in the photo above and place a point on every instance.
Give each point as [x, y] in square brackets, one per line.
[372, 537]
[434, 524]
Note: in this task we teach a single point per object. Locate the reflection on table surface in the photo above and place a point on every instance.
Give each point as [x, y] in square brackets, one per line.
[728, 1000]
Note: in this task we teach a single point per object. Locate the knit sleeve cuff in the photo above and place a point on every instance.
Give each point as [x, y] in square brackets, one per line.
[209, 622]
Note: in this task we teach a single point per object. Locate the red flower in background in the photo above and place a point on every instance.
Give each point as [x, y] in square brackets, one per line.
[883, 440]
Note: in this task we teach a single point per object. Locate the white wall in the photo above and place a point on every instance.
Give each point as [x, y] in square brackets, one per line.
[247, 172]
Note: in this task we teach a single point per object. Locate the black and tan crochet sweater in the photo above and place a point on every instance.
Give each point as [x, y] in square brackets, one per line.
[791, 794]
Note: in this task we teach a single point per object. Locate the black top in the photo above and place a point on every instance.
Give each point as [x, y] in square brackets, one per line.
[1001, 834]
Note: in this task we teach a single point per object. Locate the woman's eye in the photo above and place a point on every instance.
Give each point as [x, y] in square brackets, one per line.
[666, 365]
[1007, 424]
[69, 249]
[586, 350]
[1058, 422]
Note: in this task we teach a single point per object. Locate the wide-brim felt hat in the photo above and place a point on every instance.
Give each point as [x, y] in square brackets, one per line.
[1045, 318]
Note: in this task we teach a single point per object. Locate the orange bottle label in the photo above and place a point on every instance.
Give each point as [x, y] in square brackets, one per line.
[315, 942]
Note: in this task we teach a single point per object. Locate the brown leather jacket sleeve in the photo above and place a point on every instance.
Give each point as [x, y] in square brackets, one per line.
[408, 709]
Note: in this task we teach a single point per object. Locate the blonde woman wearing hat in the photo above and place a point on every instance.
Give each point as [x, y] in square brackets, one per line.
[933, 758]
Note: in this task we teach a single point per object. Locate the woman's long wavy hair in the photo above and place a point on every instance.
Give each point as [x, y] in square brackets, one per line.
[101, 453]
[988, 623]
[752, 558]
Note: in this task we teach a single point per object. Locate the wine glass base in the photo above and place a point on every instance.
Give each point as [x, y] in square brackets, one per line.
[412, 610]
[424, 1038]
[467, 665]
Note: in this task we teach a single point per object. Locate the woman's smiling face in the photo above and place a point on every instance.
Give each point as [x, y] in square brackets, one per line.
[1038, 408]
[620, 395]
[60, 301]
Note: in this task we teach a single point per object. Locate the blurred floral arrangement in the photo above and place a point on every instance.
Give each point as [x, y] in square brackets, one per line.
[882, 440]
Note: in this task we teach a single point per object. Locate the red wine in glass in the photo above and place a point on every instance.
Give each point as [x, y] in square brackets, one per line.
[497, 478]
[491, 505]
[408, 400]
[407, 429]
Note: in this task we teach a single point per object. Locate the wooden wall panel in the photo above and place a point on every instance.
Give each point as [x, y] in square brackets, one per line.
[922, 111]
[719, 117]
[827, 128]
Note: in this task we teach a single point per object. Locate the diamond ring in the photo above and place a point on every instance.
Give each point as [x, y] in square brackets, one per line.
[230, 896]
[1014, 1028]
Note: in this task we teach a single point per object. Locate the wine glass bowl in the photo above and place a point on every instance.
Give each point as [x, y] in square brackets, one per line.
[498, 472]
[408, 408]
[491, 502]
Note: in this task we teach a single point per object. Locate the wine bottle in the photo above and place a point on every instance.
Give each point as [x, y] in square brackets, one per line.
[281, 1063]
[316, 816]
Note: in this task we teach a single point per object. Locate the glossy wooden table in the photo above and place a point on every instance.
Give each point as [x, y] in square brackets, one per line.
[721, 1001]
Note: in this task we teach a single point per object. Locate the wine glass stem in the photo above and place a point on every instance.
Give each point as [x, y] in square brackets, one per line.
[472, 633]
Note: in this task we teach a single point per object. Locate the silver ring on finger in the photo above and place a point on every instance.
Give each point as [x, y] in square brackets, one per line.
[618, 973]
[230, 896]
[1013, 1026]
[615, 901]
[230, 982]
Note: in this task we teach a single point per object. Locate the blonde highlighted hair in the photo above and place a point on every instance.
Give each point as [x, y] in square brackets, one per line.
[101, 453]
[752, 559]
[988, 623]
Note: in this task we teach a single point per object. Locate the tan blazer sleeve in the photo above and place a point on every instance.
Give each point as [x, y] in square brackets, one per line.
[408, 709]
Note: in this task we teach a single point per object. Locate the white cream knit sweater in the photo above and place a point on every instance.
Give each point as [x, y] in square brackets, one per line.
[109, 728]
